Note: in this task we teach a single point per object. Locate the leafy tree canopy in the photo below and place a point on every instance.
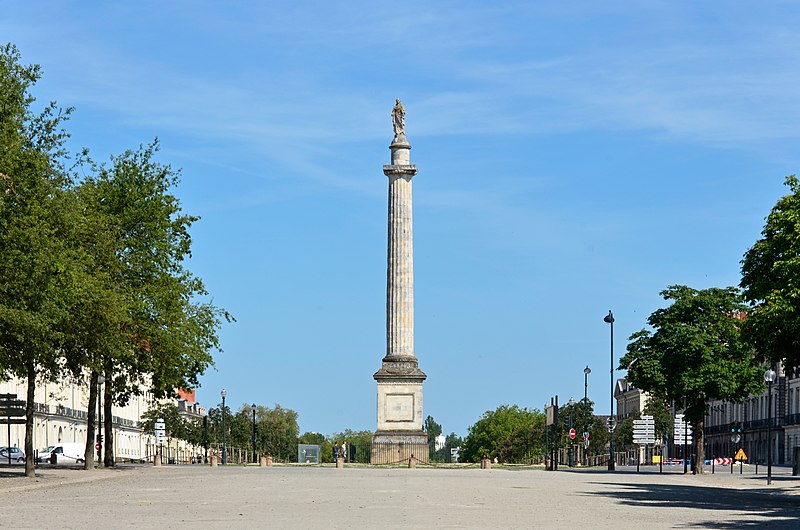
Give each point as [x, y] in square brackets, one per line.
[488, 435]
[695, 352]
[771, 282]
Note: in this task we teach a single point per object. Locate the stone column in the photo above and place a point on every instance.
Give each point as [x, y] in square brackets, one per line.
[400, 256]
[399, 379]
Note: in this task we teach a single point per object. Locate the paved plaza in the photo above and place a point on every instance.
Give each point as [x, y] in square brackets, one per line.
[364, 497]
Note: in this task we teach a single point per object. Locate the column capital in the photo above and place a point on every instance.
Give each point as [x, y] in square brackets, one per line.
[400, 170]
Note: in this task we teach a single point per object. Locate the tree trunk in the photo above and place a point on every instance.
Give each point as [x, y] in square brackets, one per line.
[30, 469]
[108, 425]
[91, 423]
[699, 447]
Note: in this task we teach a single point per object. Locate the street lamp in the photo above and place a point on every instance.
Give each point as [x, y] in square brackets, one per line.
[609, 319]
[769, 378]
[586, 372]
[255, 456]
[100, 380]
[223, 393]
[571, 404]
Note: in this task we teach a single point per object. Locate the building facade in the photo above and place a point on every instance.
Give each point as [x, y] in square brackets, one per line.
[60, 415]
[754, 413]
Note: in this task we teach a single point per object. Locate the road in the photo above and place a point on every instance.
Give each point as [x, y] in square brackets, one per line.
[363, 497]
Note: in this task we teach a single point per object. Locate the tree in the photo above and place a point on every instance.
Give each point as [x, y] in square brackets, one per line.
[361, 440]
[695, 354]
[524, 442]
[276, 431]
[451, 441]
[433, 429]
[771, 283]
[167, 333]
[42, 278]
[623, 432]
[657, 408]
[488, 434]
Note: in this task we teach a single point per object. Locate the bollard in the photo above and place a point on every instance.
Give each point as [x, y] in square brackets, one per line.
[263, 462]
[412, 462]
[340, 463]
[269, 460]
[214, 461]
[488, 464]
[157, 460]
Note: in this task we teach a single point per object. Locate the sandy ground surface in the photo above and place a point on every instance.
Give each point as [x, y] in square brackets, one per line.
[364, 497]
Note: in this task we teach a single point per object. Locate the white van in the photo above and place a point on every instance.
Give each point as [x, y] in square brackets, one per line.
[68, 453]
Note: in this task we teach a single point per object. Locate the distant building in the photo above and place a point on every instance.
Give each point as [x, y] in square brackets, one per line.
[439, 442]
[60, 415]
[630, 400]
[753, 413]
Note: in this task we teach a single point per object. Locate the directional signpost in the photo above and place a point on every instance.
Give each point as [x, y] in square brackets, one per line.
[644, 433]
[12, 411]
[161, 436]
[683, 436]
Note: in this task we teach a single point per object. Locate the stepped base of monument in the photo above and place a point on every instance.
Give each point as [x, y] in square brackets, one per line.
[396, 447]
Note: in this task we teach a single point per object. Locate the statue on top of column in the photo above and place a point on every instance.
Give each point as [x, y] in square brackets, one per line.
[399, 119]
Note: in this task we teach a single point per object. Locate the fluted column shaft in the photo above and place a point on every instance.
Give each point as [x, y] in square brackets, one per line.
[400, 266]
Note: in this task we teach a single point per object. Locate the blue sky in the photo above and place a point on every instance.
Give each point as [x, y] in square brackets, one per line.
[573, 158]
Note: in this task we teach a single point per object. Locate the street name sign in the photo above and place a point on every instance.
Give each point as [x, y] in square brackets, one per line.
[160, 431]
[644, 431]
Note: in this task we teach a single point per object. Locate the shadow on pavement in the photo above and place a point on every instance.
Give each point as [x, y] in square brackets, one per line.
[779, 507]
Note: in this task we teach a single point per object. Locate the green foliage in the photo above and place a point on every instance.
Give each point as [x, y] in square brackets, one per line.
[42, 274]
[92, 277]
[771, 283]
[451, 441]
[599, 436]
[514, 430]
[361, 439]
[433, 430]
[168, 333]
[276, 431]
[623, 432]
[657, 408]
[176, 425]
[695, 354]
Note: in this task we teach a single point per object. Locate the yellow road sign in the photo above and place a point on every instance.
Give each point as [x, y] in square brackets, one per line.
[740, 455]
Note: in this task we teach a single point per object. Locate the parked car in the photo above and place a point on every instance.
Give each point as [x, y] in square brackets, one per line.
[17, 454]
[68, 453]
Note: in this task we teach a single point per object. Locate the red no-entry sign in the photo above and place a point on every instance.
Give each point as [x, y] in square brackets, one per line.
[97, 446]
[572, 434]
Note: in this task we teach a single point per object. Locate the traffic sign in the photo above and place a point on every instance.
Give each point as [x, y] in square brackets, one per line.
[97, 446]
[611, 422]
[740, 455]
[572, 434]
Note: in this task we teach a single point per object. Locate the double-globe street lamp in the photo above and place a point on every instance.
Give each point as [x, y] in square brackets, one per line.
[255, 456]
[769, 378]
[609, 319]
[223, 393]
